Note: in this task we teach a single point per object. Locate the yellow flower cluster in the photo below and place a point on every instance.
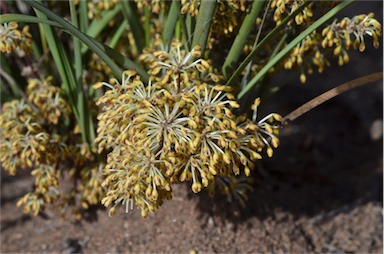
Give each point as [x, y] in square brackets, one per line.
[336, 38]
[36, 134]
[12, 39]
[47, 98]
[24, 141]
[285, 7]
[340, 34]
[46, 189]
[95, 7]
[226, 16]
[178, 127]
[154, 5]
[190, 6]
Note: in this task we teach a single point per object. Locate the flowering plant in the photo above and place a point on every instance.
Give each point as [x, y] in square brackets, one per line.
[146, 94]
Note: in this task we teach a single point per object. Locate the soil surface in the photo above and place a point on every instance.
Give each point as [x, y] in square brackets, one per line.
[321, 192]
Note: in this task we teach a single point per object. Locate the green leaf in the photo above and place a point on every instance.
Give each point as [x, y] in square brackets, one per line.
[263, 42]
[116, 56]
[86, 124]
[62, 63]
[133, 20]
[83, 9]
[84, 38]
[170, 23]
[147, 27]
[5, 18]
[203, 23]
[293, 44]
[117, 34]
[241, 38]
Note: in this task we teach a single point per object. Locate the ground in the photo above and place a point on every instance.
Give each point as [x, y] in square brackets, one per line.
[321, 192]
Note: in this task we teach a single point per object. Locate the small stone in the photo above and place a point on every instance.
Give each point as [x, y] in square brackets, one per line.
[376, 129]
[210, 223]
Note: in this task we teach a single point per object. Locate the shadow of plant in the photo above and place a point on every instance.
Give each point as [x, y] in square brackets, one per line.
[326, 162]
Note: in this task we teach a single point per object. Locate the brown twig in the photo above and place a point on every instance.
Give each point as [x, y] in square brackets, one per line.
[330, 94]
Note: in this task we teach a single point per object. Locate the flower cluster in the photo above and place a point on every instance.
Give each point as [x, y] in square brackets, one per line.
[226, 19]
[36, 134]
[190, 6]
[226, 16]
[154, 5]
[179, 127]
[351, 32]
[24, 138]
[335, 39]
[95, 7]
[12, 39]
[286, 7]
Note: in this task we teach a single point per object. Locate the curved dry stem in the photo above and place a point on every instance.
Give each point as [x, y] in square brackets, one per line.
[330, 94]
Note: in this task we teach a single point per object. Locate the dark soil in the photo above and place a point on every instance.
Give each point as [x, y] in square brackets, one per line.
[321, 192]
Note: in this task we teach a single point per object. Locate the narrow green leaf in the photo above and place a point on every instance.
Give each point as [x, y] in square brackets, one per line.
[85, 117]
[133, 20]
[62, 64]
[293, 44]
[117, 34]
[147, 26]
[185, 35]
[203, 23]
[170, 23]
[5, 18]
[241, 38]
[85, 39]
[97, 25]
[83, 9]
[263, 42]
[4, 72]
[116, 56]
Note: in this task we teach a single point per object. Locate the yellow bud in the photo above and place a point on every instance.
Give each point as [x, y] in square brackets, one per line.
[303, 78]
[255, 156]
[243, 159]
[205, 182]
[234, 104]
[247, 171]
[340, 61]
[148, 192]
[183, 176]
[200, 67]
[275, 142]
[212, 169]
[156, 70]
[155, 194]
[337, 50]
[214, 78]
[97, 85]
[196, 187]
[362, 46]
[144, 213]
[227, 157]
[236, 169]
